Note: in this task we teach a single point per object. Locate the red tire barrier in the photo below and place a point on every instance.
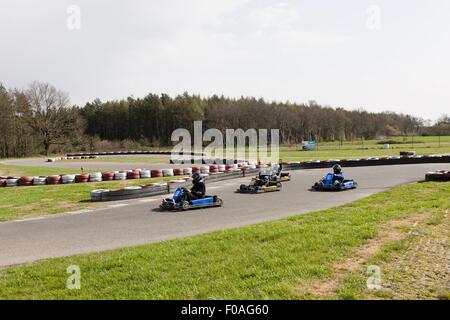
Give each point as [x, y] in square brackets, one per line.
[53, 179]
[156, 173]
[134, 174]
[213, 168]
[25, 181]
[82, 178]
[178, 172]
[2, 182]
[195, 169]
[107, 176]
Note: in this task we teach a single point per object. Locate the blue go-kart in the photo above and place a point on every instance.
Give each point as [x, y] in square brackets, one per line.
[327, 184]
[177, 202]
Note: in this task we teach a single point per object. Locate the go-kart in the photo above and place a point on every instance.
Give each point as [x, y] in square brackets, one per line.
[284, 176]
[327, 184]
[177, 202]
[273, 175]
[255, 186]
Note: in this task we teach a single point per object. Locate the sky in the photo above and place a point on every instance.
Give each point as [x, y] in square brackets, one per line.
[377, 55]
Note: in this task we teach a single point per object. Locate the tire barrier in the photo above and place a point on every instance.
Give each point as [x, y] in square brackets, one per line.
[178, 172]
[222, 168]
[130, 193]
[195, 170]
[2, 182]
[133, 174]
[204, 169]
[156, 173]
[107, 176]
[187, 171]
[120, 175]
[213, 168]
[39, 181]
[82, 178]
[95, 177]
[145, 174]
[440, 175]
[53, 179]
[25, 181]
[167, 172]
[68, 178]
[12, 182]
[382, 161]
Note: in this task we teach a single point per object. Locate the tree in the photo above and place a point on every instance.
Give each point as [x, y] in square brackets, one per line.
[49, 114]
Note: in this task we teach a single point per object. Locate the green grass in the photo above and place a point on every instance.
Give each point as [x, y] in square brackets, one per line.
[265, 261]
[19, 202]
[18, 171]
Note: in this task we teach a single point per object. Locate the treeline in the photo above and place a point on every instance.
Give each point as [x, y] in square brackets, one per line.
[41, 120]
[38, 120]
[152, 119]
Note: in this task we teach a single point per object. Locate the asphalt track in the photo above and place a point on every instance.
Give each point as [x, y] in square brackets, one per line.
[137, 222]
[89, 164]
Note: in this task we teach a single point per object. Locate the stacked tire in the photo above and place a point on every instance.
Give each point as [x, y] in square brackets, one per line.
[214, 168]
[12, 182]
[120, 175]
[204, 170]
[187, 171]
[82, 178]
[107, 176]
[178, 172]
[441, 175]
[68, 178]
[168, 172]
[133, 174]
[2, 182]
[39, 181]
[95, 177]
[96, 195]
[145, 174]
[25, 181]
[53, 179]
[156, 173]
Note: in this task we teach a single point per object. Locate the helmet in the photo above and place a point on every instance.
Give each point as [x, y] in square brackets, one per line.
[337, 169]
[196, 177]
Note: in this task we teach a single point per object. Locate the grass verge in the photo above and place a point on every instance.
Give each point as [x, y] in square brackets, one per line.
[265, 261]
[19, 202]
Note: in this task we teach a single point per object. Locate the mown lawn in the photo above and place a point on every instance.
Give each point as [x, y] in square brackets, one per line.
[265, 261]
[19, 202]
[20, 171]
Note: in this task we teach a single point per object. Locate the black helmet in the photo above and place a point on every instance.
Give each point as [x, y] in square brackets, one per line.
[337, 169]
[196, 177]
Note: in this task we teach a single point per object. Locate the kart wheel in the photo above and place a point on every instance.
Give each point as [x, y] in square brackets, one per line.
[219, 201]
[185, 205]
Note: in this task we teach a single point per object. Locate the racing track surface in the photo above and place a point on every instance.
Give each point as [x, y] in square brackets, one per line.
[89, 164]
[136, 222]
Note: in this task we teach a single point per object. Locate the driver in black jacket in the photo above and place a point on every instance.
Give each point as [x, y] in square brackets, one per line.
[198, 189]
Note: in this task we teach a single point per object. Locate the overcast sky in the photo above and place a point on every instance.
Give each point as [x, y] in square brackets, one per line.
[379, 55]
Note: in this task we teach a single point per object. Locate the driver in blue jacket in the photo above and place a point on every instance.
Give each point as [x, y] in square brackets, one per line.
[338, 176]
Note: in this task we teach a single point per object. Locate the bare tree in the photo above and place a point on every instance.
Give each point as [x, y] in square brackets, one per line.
[49, 114]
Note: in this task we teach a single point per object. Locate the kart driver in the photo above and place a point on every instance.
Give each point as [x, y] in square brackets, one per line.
[338, 176]
[198, 189]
